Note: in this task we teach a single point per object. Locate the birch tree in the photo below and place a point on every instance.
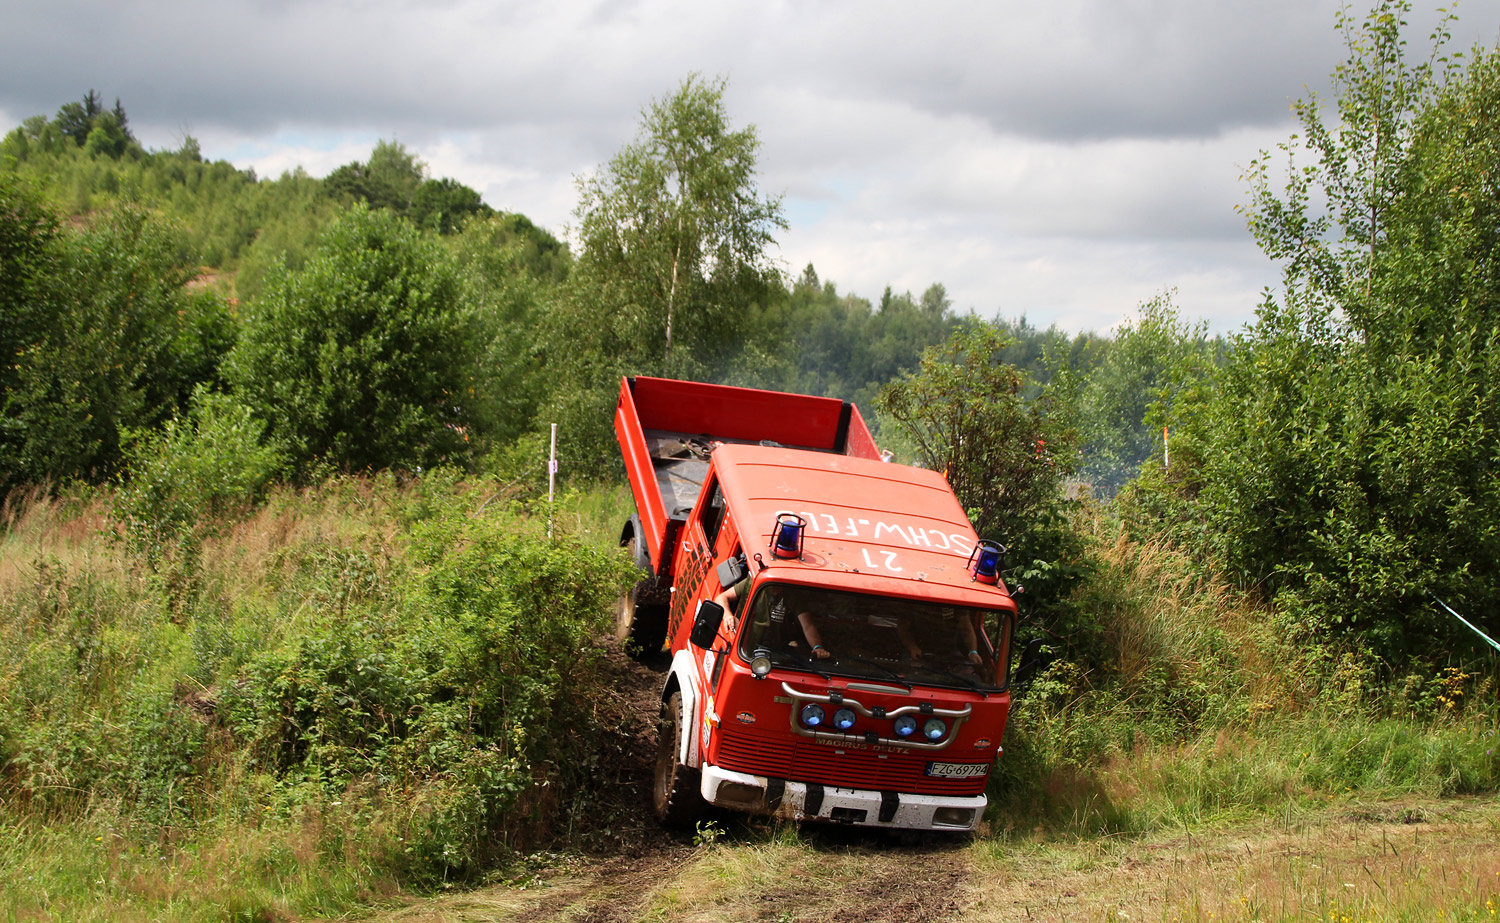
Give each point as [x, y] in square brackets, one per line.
[675, 235]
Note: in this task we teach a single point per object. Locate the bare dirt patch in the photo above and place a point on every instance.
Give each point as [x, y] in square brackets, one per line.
[614, 820]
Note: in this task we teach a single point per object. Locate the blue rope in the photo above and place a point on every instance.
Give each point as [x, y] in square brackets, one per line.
[1476, 631]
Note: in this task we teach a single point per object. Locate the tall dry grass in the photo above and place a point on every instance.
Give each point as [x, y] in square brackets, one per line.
[1208, 707]
[125, 794]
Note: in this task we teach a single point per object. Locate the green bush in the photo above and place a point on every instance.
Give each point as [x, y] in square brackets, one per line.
[367, 357]
[1345, 468]
[191, 476]
[463, 691]
[106, 337]
[1005, 451]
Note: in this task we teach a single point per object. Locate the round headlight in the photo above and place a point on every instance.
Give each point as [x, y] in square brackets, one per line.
[843, 719]
[760, 665]
[906, 726]
[813, 715]
[934, 729]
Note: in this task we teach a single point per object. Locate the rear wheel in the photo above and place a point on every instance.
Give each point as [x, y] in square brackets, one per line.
[641, 626]
[676, 796]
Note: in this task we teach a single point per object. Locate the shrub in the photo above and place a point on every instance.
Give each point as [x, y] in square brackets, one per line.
[367, 357]
[1005, 453]
[184, 479]
[105, 334]
[462, 690]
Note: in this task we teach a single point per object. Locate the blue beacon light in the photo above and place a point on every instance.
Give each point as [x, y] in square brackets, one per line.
[984, 561]
[786, 537]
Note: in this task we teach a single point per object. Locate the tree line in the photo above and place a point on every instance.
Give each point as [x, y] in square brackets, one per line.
[277, 288]
[1335, 457]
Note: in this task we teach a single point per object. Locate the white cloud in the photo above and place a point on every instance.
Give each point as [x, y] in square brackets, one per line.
[285, 151]
[1067, 159]
[1079, 284]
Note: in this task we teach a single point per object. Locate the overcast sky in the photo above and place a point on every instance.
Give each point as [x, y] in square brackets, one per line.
[1065, 160]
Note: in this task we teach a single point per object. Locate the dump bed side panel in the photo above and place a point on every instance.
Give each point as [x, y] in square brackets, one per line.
[666, 430]
[750, 415]
[859, 442]
[642, 476]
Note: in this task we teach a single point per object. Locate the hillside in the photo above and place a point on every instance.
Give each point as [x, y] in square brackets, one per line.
[293, 627]
[294, 724]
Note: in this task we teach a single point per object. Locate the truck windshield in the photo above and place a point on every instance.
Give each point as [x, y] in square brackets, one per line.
[876, 637]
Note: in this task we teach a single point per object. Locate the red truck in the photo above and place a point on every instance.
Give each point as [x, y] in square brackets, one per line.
[839, 636]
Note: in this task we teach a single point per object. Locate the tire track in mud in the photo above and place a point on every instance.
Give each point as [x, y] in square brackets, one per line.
[876, 885]
[904, 891]
[615, 891]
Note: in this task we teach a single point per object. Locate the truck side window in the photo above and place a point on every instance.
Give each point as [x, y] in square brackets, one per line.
[742, 590]
[713, 515]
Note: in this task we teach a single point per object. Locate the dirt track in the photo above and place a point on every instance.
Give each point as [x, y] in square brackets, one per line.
[1367, 862]
[1428, 861]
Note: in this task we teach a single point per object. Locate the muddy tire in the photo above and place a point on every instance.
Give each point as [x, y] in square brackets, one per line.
[640, 626]
[676, 797]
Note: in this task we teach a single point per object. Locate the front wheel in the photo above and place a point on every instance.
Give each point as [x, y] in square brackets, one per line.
[676, 796]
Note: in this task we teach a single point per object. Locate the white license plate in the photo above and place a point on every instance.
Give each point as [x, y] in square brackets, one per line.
[957, 770]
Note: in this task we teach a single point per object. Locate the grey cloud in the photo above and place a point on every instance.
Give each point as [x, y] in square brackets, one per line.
[1065, 70]
[1070, 157]
[1083, 69]
[1078, 69]
[326, 65]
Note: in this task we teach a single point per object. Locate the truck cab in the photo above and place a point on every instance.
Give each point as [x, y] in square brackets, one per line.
[854, 668]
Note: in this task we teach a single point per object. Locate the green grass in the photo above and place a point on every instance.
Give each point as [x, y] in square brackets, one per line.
[341, 698]
[1200, 710]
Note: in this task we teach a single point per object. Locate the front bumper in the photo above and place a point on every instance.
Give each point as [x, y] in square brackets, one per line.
[809, 801]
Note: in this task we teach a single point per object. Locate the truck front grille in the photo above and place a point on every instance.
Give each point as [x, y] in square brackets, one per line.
[801, 760]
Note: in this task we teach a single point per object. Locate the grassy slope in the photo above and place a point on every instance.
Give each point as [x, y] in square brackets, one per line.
[1205, 730]
[1204, 708]
[101, 652]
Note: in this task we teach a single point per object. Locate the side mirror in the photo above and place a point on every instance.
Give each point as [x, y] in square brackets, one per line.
[733, 571]
[706, 624]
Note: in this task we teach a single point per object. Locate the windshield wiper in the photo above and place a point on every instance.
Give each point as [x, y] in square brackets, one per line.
[879, 666]
[804, 660]
[959, 677]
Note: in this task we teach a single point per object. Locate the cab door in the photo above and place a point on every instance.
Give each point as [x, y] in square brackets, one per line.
[714, 538]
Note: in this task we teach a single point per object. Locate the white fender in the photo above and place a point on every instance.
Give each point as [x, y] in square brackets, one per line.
[685, 669]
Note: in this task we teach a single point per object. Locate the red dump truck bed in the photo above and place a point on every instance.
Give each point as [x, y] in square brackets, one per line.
[666, 429]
